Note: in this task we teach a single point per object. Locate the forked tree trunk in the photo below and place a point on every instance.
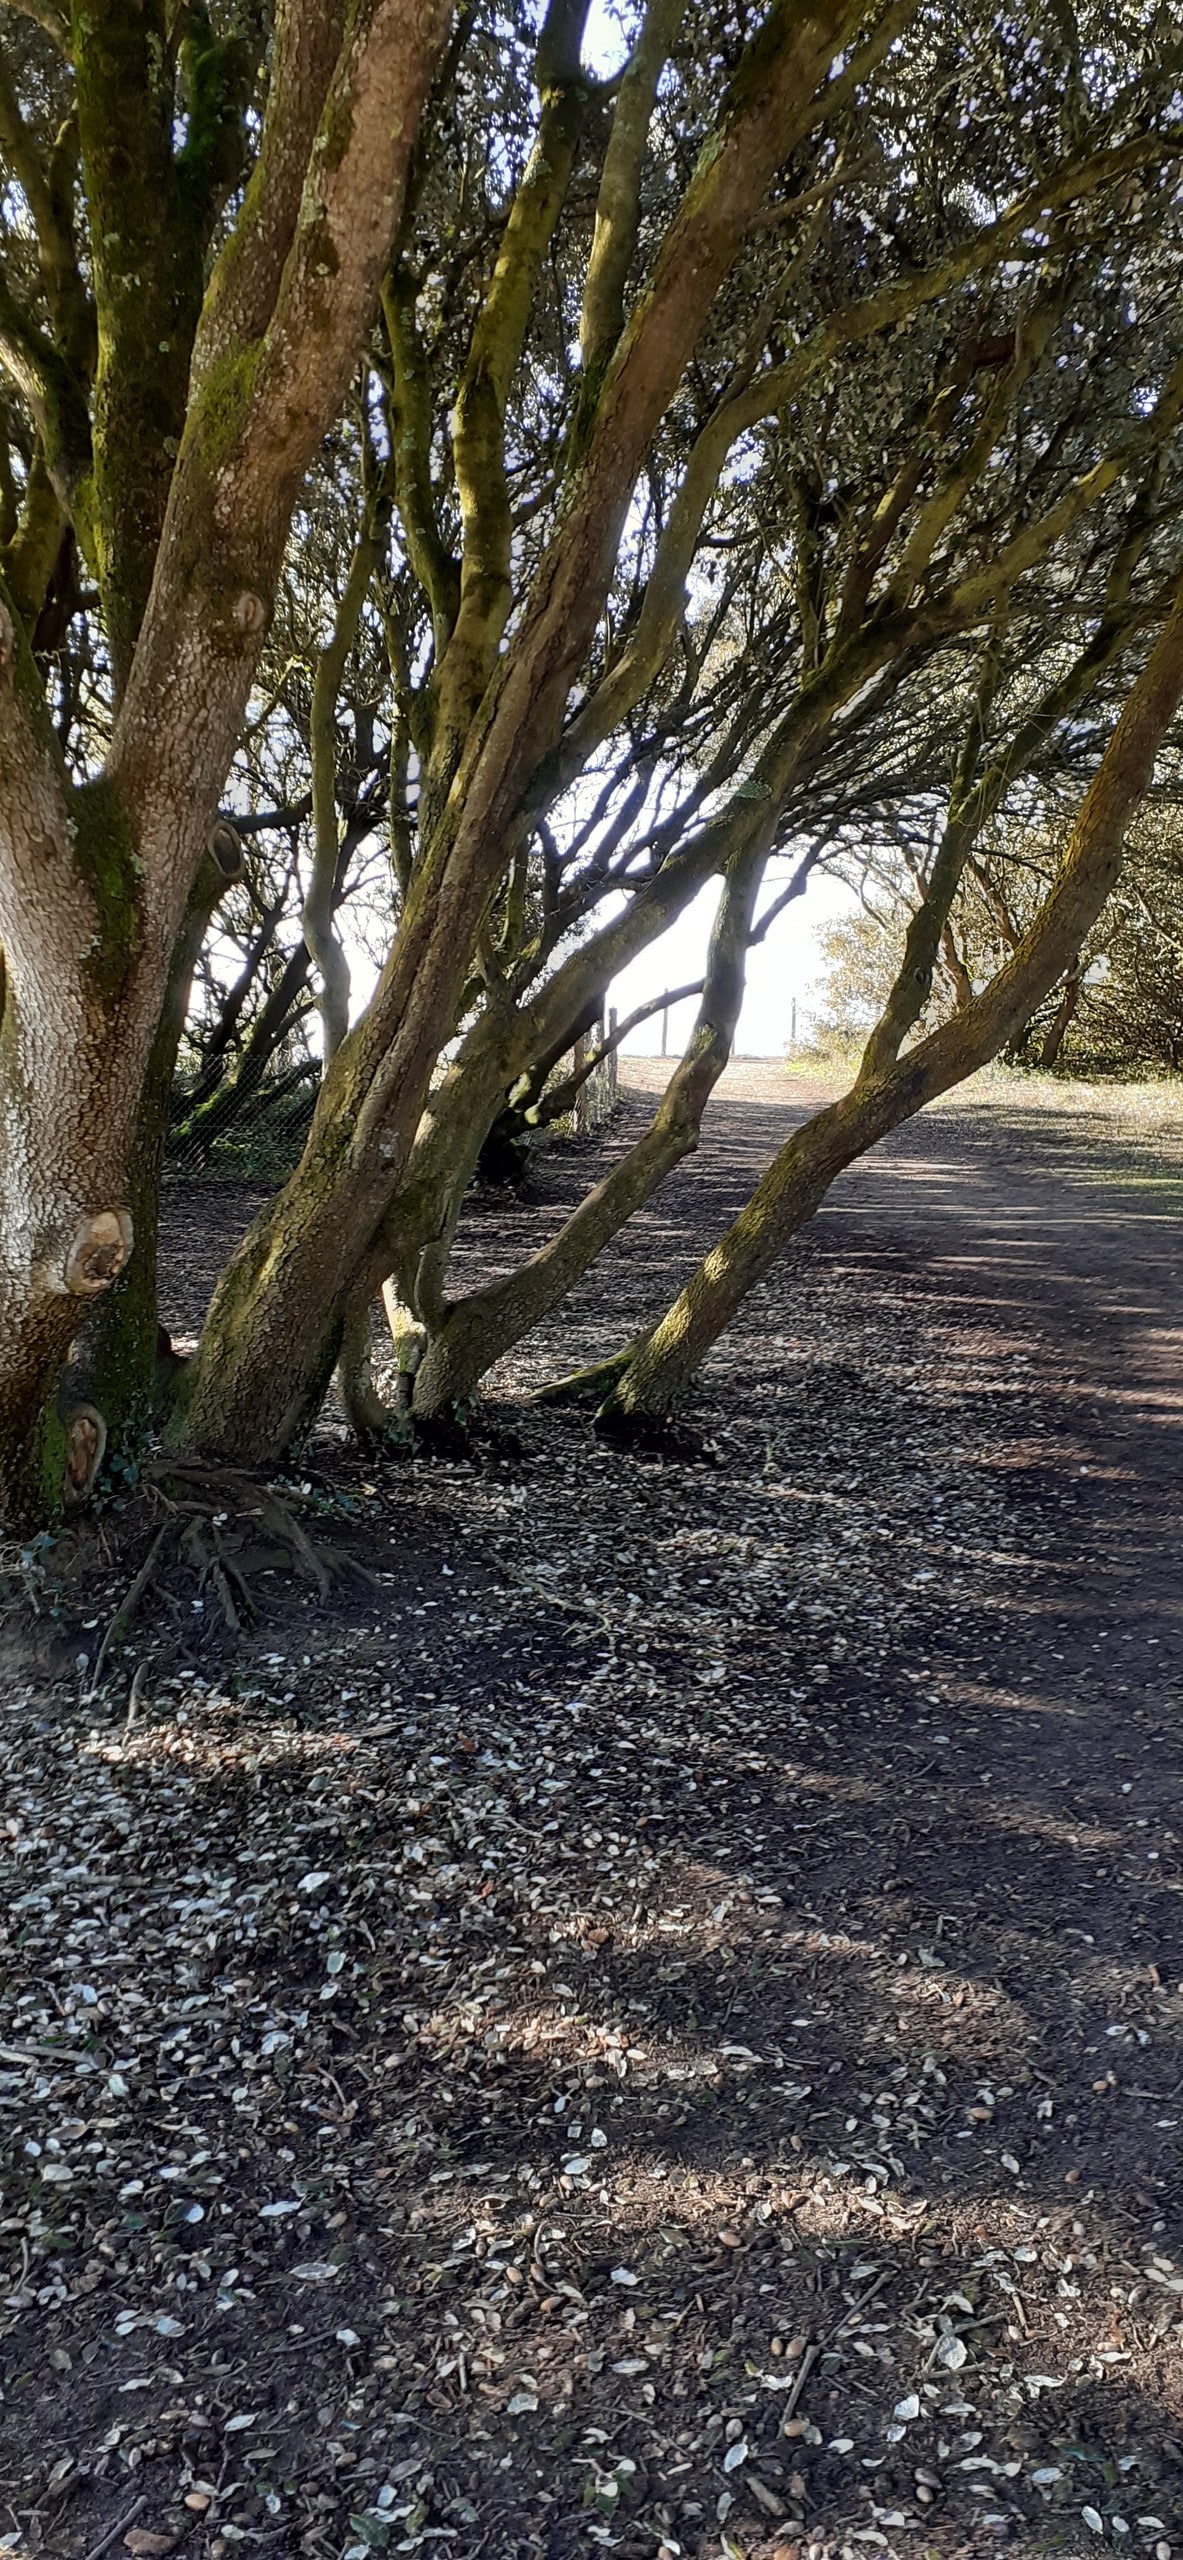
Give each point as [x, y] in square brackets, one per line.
[94, 882]
[787, 1196]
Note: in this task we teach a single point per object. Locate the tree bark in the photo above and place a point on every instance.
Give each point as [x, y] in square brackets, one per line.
[95, 881]
[65, 1116]
[122, 1339]
[1064, 1016]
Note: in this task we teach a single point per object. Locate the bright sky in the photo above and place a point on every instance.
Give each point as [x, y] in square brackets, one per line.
[782, 969]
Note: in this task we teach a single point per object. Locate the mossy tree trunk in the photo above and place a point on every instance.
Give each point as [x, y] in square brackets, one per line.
[207, 413]
[69, 924]
[121, 1350]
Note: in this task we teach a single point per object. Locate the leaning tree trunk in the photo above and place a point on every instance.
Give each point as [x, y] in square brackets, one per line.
[788, 1194]
[94, 882]
[275, 1326]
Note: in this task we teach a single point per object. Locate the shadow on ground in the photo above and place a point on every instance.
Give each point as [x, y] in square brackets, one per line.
[658, 2024]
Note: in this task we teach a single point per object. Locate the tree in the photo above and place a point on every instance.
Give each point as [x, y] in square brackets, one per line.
[169, 420]
[889, 1087]
[969, 453]
[855, 389]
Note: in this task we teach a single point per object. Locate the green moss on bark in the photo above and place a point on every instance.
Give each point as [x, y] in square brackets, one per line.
[107, 860]
[221, 405]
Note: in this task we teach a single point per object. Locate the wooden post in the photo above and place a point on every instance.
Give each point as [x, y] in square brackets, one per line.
[583, 1097]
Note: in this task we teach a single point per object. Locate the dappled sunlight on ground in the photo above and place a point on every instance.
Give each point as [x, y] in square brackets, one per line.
[658, 2027]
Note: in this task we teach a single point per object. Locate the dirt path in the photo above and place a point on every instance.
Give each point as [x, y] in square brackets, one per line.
[657, 2024]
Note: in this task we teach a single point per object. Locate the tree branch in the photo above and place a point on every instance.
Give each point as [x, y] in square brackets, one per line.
[320, 934]
[478, 428]
[259, 412]
[618, 205]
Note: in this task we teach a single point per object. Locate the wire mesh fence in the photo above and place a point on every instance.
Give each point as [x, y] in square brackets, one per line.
[232, 1135]
[254, 1130]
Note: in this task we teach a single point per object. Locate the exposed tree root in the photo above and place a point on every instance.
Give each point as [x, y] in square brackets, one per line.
[583, 1384]
[222, 1528]
[128, 1605]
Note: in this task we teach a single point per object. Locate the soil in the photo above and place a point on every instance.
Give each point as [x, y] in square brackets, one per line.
[651, 2017]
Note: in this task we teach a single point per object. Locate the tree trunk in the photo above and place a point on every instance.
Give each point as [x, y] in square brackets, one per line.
[801, 1174]
[1064, 1016]
[95, 882]
[280, 1303]
[78, 1153]
[121, 1352]
[67, 1099]
[479, 1329]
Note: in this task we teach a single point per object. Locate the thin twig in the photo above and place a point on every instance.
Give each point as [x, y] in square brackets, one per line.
[812, 2352]
[126, 1610]
[120, 2526]
[804, 2369]
[134, 1695]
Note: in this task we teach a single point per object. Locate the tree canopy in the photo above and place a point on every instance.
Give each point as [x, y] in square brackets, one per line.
[494, 474]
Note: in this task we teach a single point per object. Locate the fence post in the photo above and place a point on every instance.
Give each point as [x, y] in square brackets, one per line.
[583, 1097]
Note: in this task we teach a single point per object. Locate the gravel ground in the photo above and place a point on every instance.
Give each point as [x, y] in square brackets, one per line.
[648, 2018]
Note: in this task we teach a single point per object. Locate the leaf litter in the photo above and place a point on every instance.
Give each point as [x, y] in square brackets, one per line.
[555, 2048]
